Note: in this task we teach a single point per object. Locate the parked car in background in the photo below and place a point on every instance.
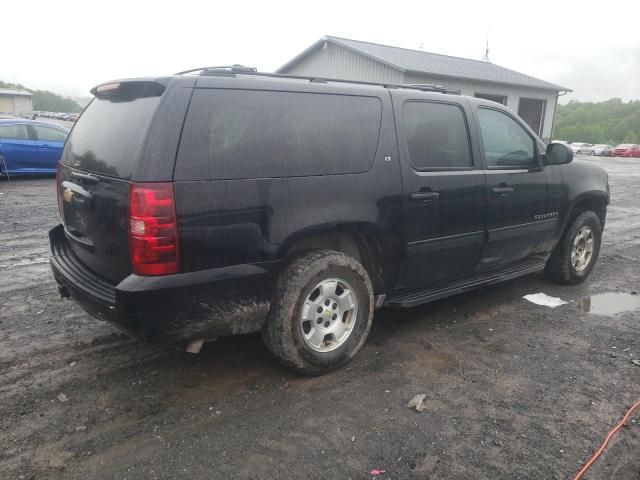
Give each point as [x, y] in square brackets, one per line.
[625, 149]
[580, 148]
[634, 152]
[29, 147]
[27, 115]
[602, 150]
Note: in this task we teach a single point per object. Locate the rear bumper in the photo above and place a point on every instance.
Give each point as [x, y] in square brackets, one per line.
[171, 308]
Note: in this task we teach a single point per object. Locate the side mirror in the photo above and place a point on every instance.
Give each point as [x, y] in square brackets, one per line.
[558, 154]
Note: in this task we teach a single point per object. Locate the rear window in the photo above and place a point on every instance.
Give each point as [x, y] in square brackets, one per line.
[232, 134]
[108, 137]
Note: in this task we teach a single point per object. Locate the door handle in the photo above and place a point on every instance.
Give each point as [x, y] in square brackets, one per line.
[86, 177]
[502, 189]
[423, 195]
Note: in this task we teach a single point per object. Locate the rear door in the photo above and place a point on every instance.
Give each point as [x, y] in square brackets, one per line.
[17, 150]
[99, 161]
[518, 217]
[49, 142]
[443, 189]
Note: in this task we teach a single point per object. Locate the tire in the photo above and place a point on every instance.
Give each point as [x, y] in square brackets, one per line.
[286, 329]
[560, 267]
[579, 152]
[592, 153]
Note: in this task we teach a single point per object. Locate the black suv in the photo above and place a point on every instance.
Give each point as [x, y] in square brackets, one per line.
[230, 201]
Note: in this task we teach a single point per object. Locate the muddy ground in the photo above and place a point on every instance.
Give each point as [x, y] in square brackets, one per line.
[513, 390]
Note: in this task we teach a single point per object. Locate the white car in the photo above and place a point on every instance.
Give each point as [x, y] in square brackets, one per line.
[580, 148]
[603, 150]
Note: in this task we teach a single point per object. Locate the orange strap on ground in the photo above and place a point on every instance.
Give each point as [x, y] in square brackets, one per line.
[606, 441]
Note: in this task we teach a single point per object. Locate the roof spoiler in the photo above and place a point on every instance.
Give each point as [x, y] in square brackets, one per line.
[127, 90]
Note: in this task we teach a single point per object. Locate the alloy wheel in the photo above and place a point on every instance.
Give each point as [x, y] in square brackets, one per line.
[328, 315]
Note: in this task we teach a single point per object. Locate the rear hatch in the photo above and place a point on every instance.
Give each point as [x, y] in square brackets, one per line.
[99, 160]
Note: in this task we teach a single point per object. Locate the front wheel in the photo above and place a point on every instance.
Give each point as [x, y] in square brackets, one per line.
[575, 255]
[321, 312]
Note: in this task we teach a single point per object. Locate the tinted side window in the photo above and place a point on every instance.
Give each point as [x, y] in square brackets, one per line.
[506, 144]
[48, 134]
[14, 132]
[250, 134]
[436, 135]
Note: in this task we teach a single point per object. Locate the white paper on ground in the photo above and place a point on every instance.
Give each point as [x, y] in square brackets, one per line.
[544, 300]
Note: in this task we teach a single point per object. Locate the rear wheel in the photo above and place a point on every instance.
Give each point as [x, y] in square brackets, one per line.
[321, 314]
[575, 255]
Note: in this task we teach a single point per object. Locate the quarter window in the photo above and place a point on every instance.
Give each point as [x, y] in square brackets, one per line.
[14, 132]
[231, 134]
[436, 135]
[506, 144]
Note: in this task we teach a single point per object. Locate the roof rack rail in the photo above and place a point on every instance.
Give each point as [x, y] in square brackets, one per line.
[429, 87]
[242, 70]
[229, 69]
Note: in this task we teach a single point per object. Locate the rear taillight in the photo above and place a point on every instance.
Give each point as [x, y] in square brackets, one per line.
[58, 186]
[153, 231]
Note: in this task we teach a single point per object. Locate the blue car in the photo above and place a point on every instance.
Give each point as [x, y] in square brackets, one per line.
[29, 147]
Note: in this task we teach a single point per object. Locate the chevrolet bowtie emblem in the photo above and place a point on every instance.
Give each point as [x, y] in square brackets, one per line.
[67, 195]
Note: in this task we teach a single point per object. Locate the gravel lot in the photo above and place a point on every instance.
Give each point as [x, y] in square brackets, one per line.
[513, 390]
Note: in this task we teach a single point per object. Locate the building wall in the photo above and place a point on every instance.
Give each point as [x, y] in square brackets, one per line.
[22, 104]
[15, 104]
[6, 104]
[333, 61]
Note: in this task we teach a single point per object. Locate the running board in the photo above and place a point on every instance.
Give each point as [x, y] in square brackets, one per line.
[414, 298]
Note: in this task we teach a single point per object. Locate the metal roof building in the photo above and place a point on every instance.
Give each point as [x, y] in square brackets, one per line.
[15, 101]
[533, 99]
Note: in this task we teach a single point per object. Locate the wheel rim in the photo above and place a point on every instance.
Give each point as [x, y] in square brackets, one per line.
[328, 315]
[582, 249]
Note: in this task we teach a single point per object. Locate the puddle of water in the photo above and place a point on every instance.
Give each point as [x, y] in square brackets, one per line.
[609, 303]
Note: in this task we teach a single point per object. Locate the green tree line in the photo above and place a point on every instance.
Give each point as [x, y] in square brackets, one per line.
[612, 121]
[46, 101]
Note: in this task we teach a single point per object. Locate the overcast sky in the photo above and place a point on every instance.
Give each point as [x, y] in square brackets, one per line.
[68, 47]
